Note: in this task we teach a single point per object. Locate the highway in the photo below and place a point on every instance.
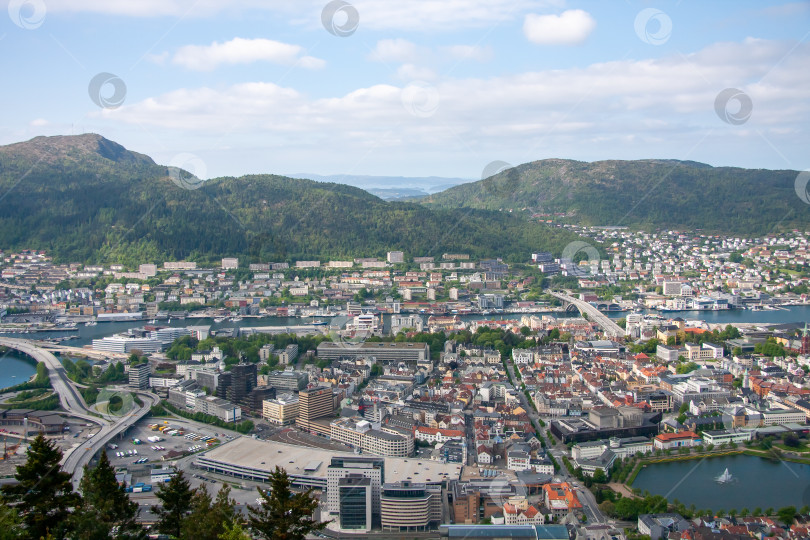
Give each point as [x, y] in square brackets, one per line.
[71, 400]
[610, 328]
[80, 456]
[69, 397]
[89, 353]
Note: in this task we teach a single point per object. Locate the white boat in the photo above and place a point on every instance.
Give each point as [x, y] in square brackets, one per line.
[724, 478]
[219, 319]
[236, 319]
[90, 323]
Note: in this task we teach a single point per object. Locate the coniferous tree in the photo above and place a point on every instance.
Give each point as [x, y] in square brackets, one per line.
[209, 517]
[10, 524]
[106, 510]
[282, 514]
[175, 496]
[235, 532]
[43, 496]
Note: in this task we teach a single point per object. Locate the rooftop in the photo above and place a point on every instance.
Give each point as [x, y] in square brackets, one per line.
[266, 455]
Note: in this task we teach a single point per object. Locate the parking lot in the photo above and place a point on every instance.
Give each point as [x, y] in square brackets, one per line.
[135, 448]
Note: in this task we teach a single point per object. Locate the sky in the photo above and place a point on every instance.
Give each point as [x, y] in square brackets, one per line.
[412, 87]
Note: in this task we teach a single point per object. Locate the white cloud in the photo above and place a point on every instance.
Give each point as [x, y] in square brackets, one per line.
[422, 15]
[39, 122]
[571, 27]
[410, 72]
[395, 50]
[469, 52]
[649, 102]
[242, 51]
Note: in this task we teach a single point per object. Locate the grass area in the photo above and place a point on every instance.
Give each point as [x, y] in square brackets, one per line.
[803, 449]
[632, 477]
[790, 272]
[115, 404]
[27, 395]
[47, 403]
[767, 455]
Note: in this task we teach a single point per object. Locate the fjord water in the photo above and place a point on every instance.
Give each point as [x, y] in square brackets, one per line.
[756, 482]
[14, 370]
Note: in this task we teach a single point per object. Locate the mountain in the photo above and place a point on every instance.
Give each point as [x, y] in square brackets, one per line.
[390, 187]
[87, 199]
[644, 193]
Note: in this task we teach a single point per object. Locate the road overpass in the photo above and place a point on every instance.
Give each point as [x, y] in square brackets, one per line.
[71, 400]
[81, 455]
[69, 397]
[610, 328]
[89, 353]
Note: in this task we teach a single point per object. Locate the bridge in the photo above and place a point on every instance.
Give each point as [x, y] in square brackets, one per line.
[81, 351]
[71, 400]
[610, 328]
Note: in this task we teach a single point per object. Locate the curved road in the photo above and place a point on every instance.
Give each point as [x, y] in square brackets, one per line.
[76, 458]
[610, 328]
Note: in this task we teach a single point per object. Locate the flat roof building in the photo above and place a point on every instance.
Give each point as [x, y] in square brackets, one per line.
[383, 352]
[282, 411]
[354, 494]
[314, 403]
[409, 506]
[254, 460]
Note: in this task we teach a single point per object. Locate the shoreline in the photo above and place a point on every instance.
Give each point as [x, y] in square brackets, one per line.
[762, 454]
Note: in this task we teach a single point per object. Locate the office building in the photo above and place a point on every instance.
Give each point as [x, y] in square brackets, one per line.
[243, 380]
[355, 503]
[266, 351]
[139, 376]
[383, 352]
[359, 433]
[207, 377]
[253, 402]
[395, 257]
[282, 411]
[372, 468]
[222, 409]
[313, 404]
[126, 345]
[287, 380]
[409, 506]
[288, 355]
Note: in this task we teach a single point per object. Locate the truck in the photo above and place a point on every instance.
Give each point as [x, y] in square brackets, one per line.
[147, 487]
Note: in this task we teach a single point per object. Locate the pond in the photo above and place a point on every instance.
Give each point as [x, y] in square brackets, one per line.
[755, 482]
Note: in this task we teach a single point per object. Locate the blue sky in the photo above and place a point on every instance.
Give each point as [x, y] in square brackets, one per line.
[421, 87]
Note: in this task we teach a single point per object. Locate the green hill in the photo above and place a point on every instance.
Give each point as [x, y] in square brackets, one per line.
[646, 193]
[84, 198]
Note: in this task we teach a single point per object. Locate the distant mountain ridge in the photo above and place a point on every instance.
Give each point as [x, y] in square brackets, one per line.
[87, 199]
[390, 187]
[645, 193]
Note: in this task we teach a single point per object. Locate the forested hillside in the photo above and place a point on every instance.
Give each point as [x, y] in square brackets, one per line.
[646, 193]
[84, 198]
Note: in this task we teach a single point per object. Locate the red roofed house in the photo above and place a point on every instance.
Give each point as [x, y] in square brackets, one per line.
[665, 441]
[431, 435]
[522, 513]
[484, 455]
[560, 499]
